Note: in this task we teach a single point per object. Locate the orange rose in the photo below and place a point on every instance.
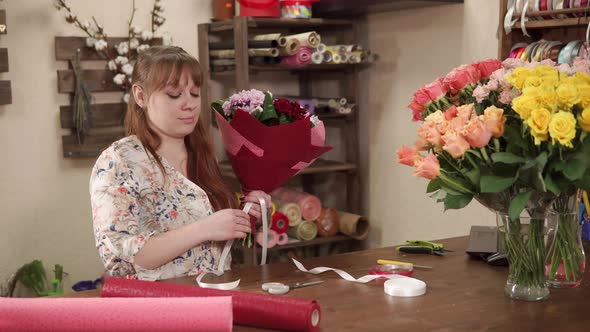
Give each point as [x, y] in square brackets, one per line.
[428, 167]
[494, 119]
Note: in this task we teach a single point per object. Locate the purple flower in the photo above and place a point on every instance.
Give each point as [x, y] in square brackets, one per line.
[247, 100]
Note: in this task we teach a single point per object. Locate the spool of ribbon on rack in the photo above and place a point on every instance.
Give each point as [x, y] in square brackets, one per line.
[279, 223]
[353, 225]
[328, 222]
[556, 51]
[272, 238]
[310, 205]
[117, 314]
[283, 239]
[292, 211]
[266, 311]
[305, 231]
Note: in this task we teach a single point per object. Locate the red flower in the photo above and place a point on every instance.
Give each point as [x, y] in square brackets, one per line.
[487, 67]
[461, 76]
[290, 108]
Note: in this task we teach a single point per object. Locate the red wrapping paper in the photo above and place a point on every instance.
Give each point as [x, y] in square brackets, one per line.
[120, 314]
[279, 223]
[260, 310]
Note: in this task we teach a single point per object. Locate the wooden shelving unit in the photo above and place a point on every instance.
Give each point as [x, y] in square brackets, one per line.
[548, 25]
[5, 86]
[238, 29]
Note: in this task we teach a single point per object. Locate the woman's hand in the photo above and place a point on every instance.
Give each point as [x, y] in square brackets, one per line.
[227, 224]
[253, 197]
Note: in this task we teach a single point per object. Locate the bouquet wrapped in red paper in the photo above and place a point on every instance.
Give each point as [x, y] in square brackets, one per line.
[268, 140]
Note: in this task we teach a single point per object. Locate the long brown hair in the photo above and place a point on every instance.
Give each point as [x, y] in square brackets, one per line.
[156, 68]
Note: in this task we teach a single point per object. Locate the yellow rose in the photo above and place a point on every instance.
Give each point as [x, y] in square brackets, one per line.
[582, 77]
[533, 80]
[584, 119]
[524, 104]
[567, 95]
[584, 92]
[518, 77]
[549, 81]
[543, 70]
[562, 128]
[548, 99]
[539, 124]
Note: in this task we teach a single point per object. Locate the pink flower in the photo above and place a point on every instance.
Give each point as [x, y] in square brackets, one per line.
[450, 113]
[455, 144]
[417, 110]
[430, 134]
[407, 155]
[421, 144]
[461, 76]
[421, 96]
[428, 167]
[566, 69]
[487, 67]
[476, 133]
[512, 63]
[436, 89]
[506, 96]
[581, 65]
[466, 112]
[480, 93]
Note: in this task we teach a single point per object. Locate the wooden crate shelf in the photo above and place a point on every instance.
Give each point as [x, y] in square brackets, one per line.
[285, 23]
[318, 167]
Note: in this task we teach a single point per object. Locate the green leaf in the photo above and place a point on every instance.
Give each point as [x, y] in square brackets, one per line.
[439, 195]
[474, 176]
[538, 182]
[433, 185]
[584, 183]
[495, 184]
[457, 201]
[574, 169]
[268, 109]
[218, 106]
[541, 161]
[551, 185]
[518, 204]
[454, 185]
[507, 158]
[283, 118]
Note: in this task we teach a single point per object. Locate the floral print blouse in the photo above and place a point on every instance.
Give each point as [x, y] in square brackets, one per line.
[132, 201]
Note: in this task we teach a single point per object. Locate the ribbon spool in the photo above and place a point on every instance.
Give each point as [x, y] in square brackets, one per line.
[328, 222]
[305, 231]
[272, 238]
[386, 269]
[283, 239]
[279, 223]
[292, 211]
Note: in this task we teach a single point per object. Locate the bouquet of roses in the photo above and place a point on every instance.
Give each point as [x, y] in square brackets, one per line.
[267, 140]
[512, 135]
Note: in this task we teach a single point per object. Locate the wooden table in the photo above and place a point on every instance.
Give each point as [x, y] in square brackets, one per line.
[462, 295]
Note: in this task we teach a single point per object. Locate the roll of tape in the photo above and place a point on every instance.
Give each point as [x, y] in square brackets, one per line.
[404, 287]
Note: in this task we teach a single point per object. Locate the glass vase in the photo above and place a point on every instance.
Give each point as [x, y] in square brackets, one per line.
[566, 261]
[524, 241]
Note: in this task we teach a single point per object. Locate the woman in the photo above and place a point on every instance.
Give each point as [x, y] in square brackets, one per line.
[159, 203]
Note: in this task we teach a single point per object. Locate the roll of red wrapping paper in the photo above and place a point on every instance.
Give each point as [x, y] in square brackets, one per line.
[251, 309]
[279, 223]
[311, 207]
[273, 237]
[328, 222]
[301, 58]
[119, 314]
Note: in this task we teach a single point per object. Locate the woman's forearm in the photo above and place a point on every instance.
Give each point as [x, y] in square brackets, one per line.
[163, 248]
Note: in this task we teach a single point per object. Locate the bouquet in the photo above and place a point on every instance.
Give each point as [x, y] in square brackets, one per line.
[267, 140]
[513, 135]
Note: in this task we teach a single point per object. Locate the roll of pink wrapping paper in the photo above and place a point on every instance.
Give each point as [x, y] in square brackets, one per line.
[311, 207]
[273, 238]
[116, 314]
[277, 312]
[283, 239]
[302, 58]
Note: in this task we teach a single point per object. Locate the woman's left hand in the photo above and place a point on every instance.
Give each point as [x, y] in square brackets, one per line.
[253, 197]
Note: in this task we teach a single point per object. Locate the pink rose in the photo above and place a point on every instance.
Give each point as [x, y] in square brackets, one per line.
[480, 93]
[436, 89]
[450, 113]
[417, 110]
[455, 144]
[476, 133]
[428, 167]
[512, 63]
[461, 76]
[407, 156]
[421, 96]
[430, 134]
[421, 144]
[487, 67]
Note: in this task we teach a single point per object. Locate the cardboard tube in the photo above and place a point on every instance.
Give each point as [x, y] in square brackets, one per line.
[252, 52]
[311, 39]
[291, 47]
[268, 36]
[353, 225]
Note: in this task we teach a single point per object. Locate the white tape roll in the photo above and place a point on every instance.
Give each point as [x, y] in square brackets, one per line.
[404, 287]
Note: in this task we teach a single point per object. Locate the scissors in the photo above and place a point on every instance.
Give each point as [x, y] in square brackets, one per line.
[278, 288]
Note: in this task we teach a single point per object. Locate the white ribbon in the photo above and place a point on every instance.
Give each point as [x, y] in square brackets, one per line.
[227, 248]
[523, 18]
[508, 21]
[397, 285]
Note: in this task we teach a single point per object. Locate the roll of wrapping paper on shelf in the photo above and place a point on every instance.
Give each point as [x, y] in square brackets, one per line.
[328, 222]
[310, 39]
[317, 58]
[291, 210]
[283, 239]
[272, 238]
[117, 314]
[310, 205]
[229, 44]
[291, 47]
[267, 60]
[302, 58]
[268, 36]
[223, 62]
[252, 52]
[279, 223]
[353, 225]
[305, 231]
[251, 309]
[321, 48]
